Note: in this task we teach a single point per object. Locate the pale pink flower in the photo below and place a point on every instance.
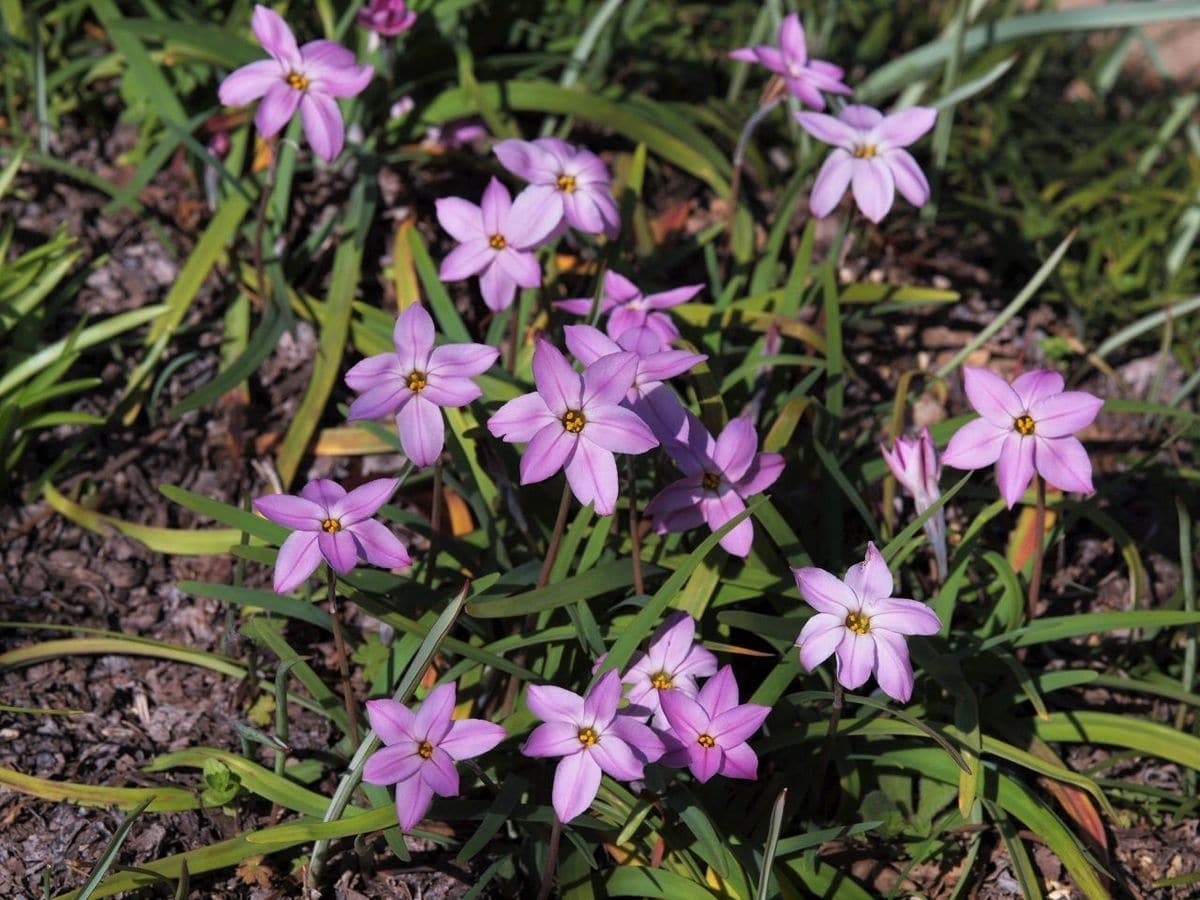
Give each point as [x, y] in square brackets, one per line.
[805, 78]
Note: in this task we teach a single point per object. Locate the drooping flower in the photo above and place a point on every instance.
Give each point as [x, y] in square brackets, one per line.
[308, 78]
[329, 523]
[1025, 427]
[386, 17]
[496, 240]
[672, 662]
[591, 738]
[574, 177]
[416, 381]
[719, 475]
[709, 731]
[628, 307]
[860, 620]
[805, 78]
[421, 750]
[575, 422]
[869, 157]
[915, 465]
[655, 362]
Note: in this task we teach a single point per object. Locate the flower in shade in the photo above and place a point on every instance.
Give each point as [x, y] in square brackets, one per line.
[655, 362]
[307, 78]
[591, 738]
[709, 731]
[915, 465]
[387, 17]
[574, 178]
[628, 307]
[416, 382]
[718, 477]
[421, 750]
[859, 620]
[1025, 427]
[672, 662]
[496, 240]
[869, 157]
[575, 422]
[805, 78]
[329, 523]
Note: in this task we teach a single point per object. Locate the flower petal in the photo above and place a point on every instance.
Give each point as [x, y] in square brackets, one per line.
[535, 214]
[764, 471]
[831, 183]
[549, 450]
[719, 510]
[616, 758]
[893, 670]
[991, 396]
[736, 446]
[324, 492]
[855, 659]
[704, 762]
[576, 783]
[380, 400]
[560, 385]
[468, 738]
[496, 287]
[874, 188]
[422, 430]
[440, 773]
[720, 692]
[1064, 463]
[250, 82]
[600, 704]
[322, 124]
[739, 762]
[379, 546]
[1061, 415]
[829, 130]
[870, 579]
[642, 740]
[976, 445]
[819, 637]
[389, 765]
[619, 430]
[678, 506]
[339, 550]
[553, 739]
[461, 360]
[275, 36]
[413, 799]
[413, 335]
[910, 180]
[791, 39]
[903, 616]
[466, 260]
[904, 127]
[1037, 385]
[554, 704]
[734, 726]
[291, 511]
[518, 420]
[332, 69]
[1014, 469]
[299, 555]
[824, 592]
[368, 373]
[671, 641]
[861, 117]
[687, 717]
[450, 391]
[461, 219]
[364, 501]
[588, 344]
[608, 380]
[521, 266]
[592, 474]
[495, 206]
[391, 720]
[276, 109]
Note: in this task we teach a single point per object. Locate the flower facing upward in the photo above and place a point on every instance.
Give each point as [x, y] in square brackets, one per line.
[805, 78]
[575, 422]
[672, 662]
[718, 477]
[387, 17]
[869, 157]
[655, 362]
[915, 465]
[308, 78]
[709, 731]
[1025, 427]
[417, 380]
[330, 523]
[863, 623]
[421, 749]
[574, 178]
[628, 307]
[591, 738]
[496, 240]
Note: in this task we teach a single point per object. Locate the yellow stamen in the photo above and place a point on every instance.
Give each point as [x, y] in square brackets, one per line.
[417, 381]
[574, 421]
[497, 242]
[711, 481]
[662, 681]
[864, 151]
[588, 737]
[425, 750]
[566, 183]
[858, 623]
[297, 81]
[333, 526]
[1024, 425]
[706, 741]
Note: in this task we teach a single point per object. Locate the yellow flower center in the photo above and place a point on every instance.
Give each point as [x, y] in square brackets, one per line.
[864, 151]
[574, 421]
[333, 526]
[858, 623]
[662, 681]
[497, 242]
[1024, 425]
[566, 183]
[711, 481]
[297, 81]
[417, 381]
[588, 737]
[425, 750]
[706, 741]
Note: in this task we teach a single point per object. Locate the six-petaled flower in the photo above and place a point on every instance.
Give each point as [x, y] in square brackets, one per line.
[709, 731]
[805, 78]
[574, 178]
[627, 307]
[672, 662]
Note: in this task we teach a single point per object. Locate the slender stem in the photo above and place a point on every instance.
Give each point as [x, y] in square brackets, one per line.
[766, 104]
[260, 223]
[635, 531]
[835, 718]
[1188, 586]
[514, 328]
[435, 523]
[551, 861]
[1039, 548]
[560, 525]
[343, 655]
